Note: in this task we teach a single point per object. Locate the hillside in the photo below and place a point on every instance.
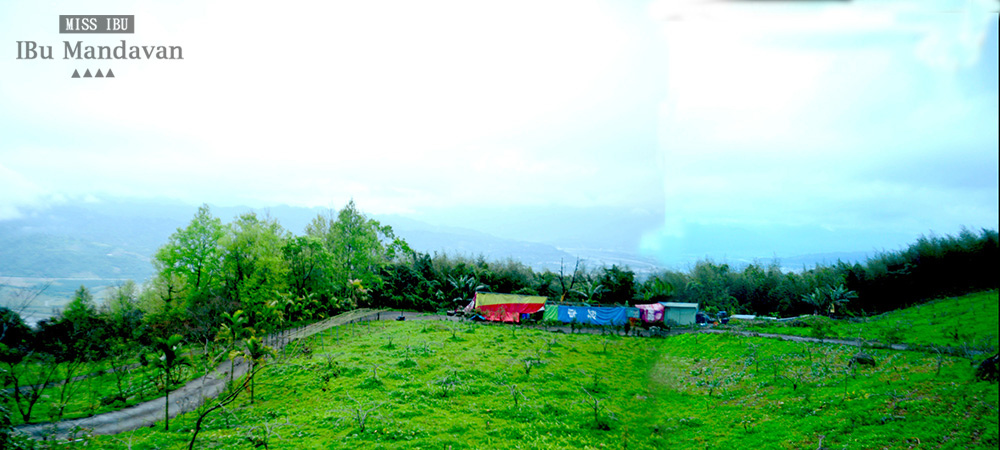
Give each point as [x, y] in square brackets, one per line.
[965, 321]
[430, 384]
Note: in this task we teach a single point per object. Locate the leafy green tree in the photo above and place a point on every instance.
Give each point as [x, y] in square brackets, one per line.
[591, 289]
[359, 249]
[23, 362]
[122, 311]
[619, 285]
[710, 286]
[656, 289]
[254, 267]
[307, 261]
[194, 253]
[81, 307]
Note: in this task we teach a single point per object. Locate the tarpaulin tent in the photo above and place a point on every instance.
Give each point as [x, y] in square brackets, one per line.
[594, 315]
[651, 313]
[507, 307]
[551, 313]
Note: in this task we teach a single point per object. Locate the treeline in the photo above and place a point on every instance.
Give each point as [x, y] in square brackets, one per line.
[346, 260]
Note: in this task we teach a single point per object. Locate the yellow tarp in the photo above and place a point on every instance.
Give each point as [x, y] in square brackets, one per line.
[487, 299]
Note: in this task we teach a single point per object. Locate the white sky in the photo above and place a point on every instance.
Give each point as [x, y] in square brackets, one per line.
[863, 115]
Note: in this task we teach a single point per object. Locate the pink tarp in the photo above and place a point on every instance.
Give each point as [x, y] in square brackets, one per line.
[651, 313]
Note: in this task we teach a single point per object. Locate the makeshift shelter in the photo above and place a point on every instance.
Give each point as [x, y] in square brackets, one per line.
[507, 307]
[551, 313]
[651, 313]
[679, 313]
[594, 315]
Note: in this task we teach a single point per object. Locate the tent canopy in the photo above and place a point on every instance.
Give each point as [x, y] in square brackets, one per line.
[507, 307]
[651, 313]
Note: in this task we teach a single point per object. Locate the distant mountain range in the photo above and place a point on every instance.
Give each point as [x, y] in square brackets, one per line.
[114, 239]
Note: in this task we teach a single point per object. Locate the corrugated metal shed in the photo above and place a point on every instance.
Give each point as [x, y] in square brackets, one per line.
[679, 313]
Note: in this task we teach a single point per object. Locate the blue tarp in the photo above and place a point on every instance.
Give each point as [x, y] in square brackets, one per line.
[595, 315]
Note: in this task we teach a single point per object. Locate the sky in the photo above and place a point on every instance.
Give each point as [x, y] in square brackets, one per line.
[872, 119]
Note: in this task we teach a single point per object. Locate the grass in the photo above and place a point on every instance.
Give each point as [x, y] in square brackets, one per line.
[98, 393]
[968, 321]
[421, 384]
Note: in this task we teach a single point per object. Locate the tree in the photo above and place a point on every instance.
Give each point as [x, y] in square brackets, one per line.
[168, 360]
[232, 330]
[464, 288]
[562, 279]
[619, 285]
[826, 300]
[255, 353]
[359, 249]
[121, 308]
[81, 307]
[193, 253]
[254, 267]
[307, 260]
[656, 289]
[590, 290]
[23, 363]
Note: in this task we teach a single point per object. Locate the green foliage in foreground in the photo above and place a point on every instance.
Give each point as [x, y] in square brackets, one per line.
[968, 322]
[442, 385]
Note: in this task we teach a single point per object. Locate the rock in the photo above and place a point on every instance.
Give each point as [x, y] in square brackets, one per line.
[863, 359]
[989, 369]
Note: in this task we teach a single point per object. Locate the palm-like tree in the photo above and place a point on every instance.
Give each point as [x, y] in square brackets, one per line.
[464, 288]
[169, 358]
[591, 290]
[825, 300]
[234, 328]
[656, 288]
[839, 296]
[255, 352]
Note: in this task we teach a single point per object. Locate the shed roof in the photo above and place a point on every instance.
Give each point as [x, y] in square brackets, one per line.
[679, 305]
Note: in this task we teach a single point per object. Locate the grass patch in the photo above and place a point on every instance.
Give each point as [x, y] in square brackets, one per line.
[969, 321]
[684, 391]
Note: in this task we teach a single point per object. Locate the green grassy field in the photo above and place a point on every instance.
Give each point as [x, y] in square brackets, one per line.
[98, 392]
[430, 384]
[969, 321]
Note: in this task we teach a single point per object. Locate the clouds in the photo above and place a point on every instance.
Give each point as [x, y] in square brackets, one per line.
[398, 104]
[854, 116]
[863, 123]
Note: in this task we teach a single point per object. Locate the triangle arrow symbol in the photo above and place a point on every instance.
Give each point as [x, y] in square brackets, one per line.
[110, 74]
[99, 74]
[76, 74]
[87, 74]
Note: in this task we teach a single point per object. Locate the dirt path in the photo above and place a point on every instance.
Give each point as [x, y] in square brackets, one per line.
[182, 400]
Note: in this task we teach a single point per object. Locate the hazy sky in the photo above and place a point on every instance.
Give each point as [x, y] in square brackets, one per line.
[871, 116]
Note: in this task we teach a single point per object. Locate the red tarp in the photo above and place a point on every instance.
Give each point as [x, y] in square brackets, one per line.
[507, 307]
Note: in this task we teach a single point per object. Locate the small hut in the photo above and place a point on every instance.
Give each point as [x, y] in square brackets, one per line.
[679, 313]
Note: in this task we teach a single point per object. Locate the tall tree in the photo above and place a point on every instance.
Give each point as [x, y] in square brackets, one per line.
[193, 252]
[168, 360]
[359, 248]
[254, 266]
